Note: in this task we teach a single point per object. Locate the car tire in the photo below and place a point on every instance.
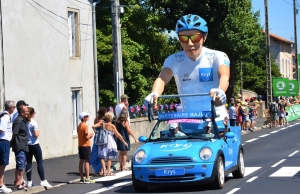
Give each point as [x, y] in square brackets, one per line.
[137, 187]
[240, 172]
[219, 180]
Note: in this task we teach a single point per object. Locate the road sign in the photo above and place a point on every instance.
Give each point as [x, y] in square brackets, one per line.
[293, 88]
[280, 86]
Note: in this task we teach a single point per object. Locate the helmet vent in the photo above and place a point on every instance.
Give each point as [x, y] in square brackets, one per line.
[188, 21]
[196, 18]
[197, 24]
[189, 16]
[180, 26]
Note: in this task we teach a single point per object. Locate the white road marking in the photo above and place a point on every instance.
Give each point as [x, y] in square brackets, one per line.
[278, 163]
[252, 179]
[265, 135]
[251, 140]
[295, 152]
[248, 170]
[243, 144]
[274, 131]
[233, 191]
[286, 172]
[118, 175]
[109, 187]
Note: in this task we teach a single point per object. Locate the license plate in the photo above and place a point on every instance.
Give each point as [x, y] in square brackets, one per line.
[170, 172]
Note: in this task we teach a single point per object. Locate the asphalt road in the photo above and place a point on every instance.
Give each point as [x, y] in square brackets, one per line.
[272, 160]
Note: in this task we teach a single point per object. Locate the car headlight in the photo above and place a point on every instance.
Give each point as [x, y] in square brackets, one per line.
[140, 156]
[205, 154]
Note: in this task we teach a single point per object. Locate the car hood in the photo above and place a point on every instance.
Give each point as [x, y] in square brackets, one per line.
[181, 148]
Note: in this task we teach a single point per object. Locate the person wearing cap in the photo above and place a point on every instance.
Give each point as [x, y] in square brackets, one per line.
[19, 103]
[174, 132]
[84, 147]
[196, 69]
[123, 105]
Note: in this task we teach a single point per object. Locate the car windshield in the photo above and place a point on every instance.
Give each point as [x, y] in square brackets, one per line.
[183, 129]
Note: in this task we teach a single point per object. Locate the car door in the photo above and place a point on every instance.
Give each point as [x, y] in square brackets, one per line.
[227, 150]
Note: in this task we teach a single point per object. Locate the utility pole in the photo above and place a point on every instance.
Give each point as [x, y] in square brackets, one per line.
[268, 58]
[296, 45]
[95, 56]
[117, 49]
[241, 79]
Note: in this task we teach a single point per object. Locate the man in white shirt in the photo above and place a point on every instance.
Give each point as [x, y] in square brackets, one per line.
[196, 69]
[5, 137]
[122, 105]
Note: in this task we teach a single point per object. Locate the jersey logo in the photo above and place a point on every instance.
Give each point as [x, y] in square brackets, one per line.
[179, 58]
[186, 77]
[206, 74]
[210, 55]
[226, 62]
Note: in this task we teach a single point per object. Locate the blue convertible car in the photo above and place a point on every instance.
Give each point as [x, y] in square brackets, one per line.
[188, 148]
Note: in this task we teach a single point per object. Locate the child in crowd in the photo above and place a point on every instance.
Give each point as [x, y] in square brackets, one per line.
[84, 147]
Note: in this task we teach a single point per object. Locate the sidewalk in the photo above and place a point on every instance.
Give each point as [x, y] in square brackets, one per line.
[64, 170]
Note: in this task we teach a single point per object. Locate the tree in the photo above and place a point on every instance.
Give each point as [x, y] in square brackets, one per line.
[233, 27]
[144, 49]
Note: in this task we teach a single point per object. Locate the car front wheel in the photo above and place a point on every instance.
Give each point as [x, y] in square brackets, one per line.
[240, 172]
[220, 174]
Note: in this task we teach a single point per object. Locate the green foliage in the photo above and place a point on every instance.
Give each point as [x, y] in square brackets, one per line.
[233, 28]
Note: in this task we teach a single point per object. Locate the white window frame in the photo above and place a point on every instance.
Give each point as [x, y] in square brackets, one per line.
[76, 97]
[74, 33]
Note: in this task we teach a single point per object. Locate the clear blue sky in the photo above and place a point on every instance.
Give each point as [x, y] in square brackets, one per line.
[281, 17]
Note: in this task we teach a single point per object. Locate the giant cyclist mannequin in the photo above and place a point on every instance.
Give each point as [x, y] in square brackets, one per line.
[196, 69]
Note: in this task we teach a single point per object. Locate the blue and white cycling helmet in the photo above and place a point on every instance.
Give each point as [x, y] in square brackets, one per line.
[191, 22]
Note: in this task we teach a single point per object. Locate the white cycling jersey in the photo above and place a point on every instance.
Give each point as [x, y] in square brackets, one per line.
[197, 77]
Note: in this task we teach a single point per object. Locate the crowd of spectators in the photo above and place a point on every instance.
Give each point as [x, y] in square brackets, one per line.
[243, 112]
[20, 132]
[117, 130]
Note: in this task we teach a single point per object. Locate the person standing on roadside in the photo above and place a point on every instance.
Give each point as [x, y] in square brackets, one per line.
[273, 111]
[5, 137]
[19, 144]
[108, 151]
[232, 114]
[34, 150]
[95, 160]
[123, 128]
[84, 147]
[239, 113]
[123, 105]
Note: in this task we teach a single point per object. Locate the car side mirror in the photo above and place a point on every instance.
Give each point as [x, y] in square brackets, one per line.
[143, 139]
[229, 135]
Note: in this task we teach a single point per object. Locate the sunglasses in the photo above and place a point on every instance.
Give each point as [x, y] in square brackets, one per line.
[194, 38]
